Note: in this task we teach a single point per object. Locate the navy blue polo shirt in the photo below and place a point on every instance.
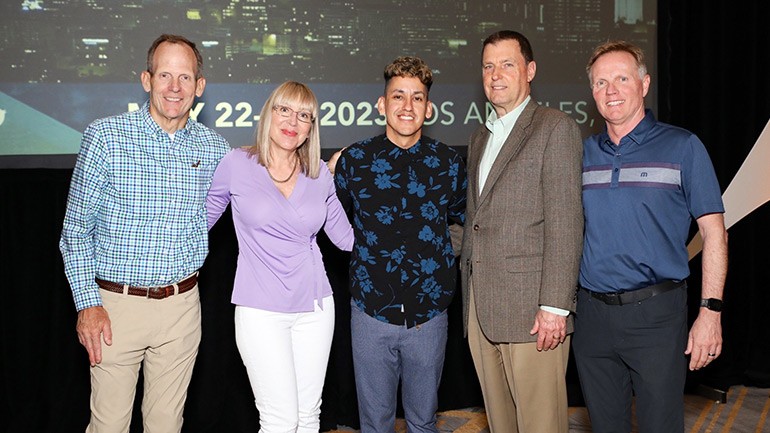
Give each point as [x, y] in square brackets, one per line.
[639, 200]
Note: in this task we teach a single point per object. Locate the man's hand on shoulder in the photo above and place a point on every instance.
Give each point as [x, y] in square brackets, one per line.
[93, 322]
[332, 162]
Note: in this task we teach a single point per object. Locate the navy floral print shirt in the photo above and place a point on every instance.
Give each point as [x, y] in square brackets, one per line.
[402, 268]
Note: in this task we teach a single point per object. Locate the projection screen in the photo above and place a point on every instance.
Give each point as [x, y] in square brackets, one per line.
[68, 62]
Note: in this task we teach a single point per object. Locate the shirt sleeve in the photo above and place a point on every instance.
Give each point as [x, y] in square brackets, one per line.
[218, 196]
[337, 226]
[700, 182]
[77, 244]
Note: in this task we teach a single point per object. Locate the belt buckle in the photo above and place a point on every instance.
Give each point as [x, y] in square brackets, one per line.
[614, 298]
[160, 291]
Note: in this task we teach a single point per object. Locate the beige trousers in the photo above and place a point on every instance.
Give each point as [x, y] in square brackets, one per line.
[163, 337]
[524, 390]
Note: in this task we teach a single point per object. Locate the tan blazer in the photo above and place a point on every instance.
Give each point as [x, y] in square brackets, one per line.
[523, 236]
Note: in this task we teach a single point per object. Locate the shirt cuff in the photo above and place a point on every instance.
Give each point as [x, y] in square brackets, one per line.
[87, 298]
[555, 310]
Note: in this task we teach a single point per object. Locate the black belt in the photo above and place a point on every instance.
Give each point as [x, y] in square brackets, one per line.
[637, 295]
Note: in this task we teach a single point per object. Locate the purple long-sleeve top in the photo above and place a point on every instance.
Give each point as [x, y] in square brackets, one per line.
[279, 264]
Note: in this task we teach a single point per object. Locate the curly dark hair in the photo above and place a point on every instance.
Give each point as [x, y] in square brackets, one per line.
[409, 66]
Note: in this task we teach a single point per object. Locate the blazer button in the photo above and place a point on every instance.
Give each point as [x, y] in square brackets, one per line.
[475, 227]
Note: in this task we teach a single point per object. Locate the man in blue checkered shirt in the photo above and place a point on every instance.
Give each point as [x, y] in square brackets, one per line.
[134, 237]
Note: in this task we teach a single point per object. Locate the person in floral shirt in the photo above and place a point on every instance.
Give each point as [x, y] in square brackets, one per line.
[403, 190]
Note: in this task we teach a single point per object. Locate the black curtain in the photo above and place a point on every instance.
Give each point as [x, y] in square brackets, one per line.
[44, 374]
[44, 370]
[712, 76]
[713, 80]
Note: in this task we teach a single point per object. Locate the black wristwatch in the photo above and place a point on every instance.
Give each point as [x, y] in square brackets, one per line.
[712, 304]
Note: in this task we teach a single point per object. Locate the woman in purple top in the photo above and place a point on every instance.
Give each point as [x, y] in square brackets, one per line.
[282, 195]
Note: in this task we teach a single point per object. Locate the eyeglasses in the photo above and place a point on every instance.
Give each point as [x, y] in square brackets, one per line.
[286, 112]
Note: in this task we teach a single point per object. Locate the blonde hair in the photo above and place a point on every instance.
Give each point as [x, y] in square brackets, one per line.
[617, 46]
[290, 94]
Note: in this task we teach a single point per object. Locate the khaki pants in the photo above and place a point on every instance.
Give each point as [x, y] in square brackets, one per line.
[163, 335]
[524, 390]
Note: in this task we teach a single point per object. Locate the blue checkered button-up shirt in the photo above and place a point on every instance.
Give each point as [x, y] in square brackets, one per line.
[136, 210]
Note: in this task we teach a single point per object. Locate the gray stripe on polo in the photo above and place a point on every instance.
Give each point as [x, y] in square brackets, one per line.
[659, 175]
[597, 177]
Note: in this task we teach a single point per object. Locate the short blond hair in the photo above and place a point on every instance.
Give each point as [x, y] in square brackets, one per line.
[614, 46]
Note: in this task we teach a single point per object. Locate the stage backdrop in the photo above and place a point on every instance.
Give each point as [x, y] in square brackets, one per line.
[68, 62]
[712, 79]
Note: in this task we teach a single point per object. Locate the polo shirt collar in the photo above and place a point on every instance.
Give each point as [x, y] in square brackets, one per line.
[637, 135]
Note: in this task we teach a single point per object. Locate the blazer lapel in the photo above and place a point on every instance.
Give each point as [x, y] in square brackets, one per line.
[510, 149]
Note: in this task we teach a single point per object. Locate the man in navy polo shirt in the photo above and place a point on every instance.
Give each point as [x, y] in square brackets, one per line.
[643, 183]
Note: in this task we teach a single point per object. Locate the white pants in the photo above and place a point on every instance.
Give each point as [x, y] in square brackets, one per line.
[285, 355]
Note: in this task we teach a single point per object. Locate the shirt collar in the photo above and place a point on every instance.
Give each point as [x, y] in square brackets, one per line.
[412, 150]
[508, 120]
[153, 128]
[638, 134]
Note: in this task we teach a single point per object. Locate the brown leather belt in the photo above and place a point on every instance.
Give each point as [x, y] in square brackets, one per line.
[160, 292]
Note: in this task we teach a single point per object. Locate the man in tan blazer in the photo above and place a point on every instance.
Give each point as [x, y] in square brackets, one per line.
[521, 245]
